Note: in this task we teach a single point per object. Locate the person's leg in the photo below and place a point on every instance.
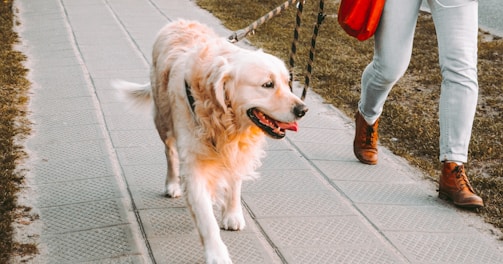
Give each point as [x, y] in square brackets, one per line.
[392, 52]
[456, 23]
[457, 29]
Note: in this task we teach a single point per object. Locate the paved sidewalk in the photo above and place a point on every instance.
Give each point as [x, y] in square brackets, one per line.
[97, 168]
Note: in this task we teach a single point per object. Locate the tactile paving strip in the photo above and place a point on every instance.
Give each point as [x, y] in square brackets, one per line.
[74, 169]
[341, 254]
[178, 250]
[71, 150]
[168, 222]
[146, 175]
[70, 86]
[135, 138]
[386, 193]
[51, 107]
[284, 160]
[355, 171]
[318, 232]
[284, 180]
[82, 216]
[319, 151]
[425, 218]
[65, 119]
[87, 245]
[121, 110]
[244, 248]
[78, 191]
[313, 120]
[445, 248]
[141, 155]
[321, 135]
[69, 134]
[127, 121]
[132, 259]
[274, 144]
[178, 221]
[152, 196]
[285, 204]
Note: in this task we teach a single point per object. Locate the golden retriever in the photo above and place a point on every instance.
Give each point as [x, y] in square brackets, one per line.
[214, 103]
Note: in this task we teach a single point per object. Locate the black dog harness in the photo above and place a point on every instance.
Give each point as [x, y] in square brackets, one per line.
[190, 98]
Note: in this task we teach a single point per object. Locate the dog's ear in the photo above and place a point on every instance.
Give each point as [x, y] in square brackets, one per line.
[220, 74]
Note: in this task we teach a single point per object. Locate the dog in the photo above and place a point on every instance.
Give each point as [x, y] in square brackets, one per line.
[214, 105]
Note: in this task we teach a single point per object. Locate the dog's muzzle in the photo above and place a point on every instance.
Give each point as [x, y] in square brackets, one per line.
[300, 110]
[275, 128]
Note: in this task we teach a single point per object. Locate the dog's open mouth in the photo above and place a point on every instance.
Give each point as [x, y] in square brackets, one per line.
[270, 126]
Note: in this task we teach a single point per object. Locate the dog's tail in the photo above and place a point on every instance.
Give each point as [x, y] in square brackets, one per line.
[139, 95]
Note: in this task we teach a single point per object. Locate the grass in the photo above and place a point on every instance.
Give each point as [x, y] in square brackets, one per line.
[13, 126]
[409, 123]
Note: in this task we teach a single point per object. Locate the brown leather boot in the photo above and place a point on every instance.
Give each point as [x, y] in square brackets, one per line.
[454, 185]
[365, 143]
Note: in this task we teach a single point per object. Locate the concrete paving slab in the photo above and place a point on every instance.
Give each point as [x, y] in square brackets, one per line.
[90, 245]
[311, 235]
[296, 204]
[54, 171]
[98, 167]
[424, 247]
[83, 216]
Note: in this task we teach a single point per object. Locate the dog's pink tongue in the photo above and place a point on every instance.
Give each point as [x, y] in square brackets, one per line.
[289, 126]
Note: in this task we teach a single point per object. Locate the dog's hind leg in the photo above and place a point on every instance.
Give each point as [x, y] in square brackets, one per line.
[172, 185]
[200, 205]
[232, 211]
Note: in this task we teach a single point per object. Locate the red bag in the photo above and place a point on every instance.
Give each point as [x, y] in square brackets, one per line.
[360, 18]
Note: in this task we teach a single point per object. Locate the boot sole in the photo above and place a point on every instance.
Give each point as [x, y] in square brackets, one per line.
[368, 162]
[446, 197]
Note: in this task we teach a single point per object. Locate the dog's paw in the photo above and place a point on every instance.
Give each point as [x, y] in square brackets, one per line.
[219, 255]
[233, 221]
[173, 190]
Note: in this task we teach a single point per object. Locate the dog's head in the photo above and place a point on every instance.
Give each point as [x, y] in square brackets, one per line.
[255, 85]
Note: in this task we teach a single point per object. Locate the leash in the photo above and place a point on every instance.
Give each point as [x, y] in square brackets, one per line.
[321, 17]
[293, 49]
[242, 33]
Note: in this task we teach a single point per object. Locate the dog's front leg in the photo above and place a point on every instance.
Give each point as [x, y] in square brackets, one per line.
[200, 205]
[232, 213]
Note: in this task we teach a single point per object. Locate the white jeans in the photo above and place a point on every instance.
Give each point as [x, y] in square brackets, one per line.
[456, 24]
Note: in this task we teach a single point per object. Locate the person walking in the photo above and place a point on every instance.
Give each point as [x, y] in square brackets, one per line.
[456, 24]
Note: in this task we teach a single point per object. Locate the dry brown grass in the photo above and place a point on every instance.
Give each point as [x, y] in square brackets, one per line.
[409, 124]
[13, 125]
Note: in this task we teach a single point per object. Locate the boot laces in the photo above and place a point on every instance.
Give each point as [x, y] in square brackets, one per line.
[369, 137]
[461, 178]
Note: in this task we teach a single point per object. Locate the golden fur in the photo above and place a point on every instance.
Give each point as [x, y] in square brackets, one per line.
[239, 96]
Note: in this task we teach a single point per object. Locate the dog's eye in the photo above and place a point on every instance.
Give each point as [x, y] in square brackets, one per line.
[268, 85]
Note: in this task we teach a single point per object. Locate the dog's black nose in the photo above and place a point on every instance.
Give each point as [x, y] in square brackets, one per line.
[300, 110]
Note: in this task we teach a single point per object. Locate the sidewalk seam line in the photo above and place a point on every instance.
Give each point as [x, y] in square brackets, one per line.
[264, 233]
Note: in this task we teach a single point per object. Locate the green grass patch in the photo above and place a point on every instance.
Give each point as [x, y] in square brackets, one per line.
[409, 124]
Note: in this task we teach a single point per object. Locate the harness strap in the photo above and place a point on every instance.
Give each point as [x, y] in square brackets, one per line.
[190, 98]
